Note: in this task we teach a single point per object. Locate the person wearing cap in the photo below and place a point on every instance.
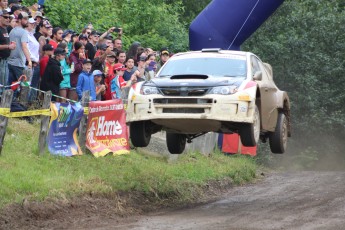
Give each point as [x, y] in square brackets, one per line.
[98, 62]
[99, 87]
[91, 46]
[15, 10]
[66, 70]
[43, 30]
[5, 46]
[21, 54]
[86, 81]
[117, 82]
[52, 76]
[76, 59]
[83, 39]
[48, 51]
[38, 17]
[34, 48]
[140, 74]
[56, 37]
[67, 38]
[109, 73]
[163, 58]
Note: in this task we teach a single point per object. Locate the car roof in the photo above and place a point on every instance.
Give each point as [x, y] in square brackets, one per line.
[213, 53]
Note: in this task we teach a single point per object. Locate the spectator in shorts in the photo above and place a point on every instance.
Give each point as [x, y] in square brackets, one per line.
[86, 81]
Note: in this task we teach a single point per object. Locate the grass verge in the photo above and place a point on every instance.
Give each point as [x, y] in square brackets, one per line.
[26, 175]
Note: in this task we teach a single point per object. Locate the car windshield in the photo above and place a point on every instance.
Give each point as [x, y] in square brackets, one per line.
[207, 66]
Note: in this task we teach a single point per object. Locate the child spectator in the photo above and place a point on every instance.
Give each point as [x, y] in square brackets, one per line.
[109, 73]
[100, 88]
[117, 82]
[86, 81]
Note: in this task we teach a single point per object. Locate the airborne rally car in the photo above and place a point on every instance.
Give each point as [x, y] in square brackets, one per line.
[211, 90]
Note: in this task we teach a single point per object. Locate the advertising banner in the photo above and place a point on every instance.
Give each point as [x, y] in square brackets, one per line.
[106, 128]
[63, 128]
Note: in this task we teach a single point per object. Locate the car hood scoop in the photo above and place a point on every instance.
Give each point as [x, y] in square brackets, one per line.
[188, 76]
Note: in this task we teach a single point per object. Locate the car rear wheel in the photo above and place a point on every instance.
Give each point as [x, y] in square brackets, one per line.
[278, 139]
[176, 142]
[250, 133]
[140, 133]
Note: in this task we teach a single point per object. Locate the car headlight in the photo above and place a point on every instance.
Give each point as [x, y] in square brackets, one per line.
[147, 90]
[224, 90]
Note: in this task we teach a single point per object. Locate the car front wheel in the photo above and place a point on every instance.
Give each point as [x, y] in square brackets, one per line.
[176, 142]
[250, 133]
[140, 133]
[278, 139]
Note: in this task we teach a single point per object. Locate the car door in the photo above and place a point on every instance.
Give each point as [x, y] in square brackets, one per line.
[268, 100]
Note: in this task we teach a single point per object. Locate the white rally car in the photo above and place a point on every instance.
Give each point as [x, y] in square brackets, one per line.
[211, 90]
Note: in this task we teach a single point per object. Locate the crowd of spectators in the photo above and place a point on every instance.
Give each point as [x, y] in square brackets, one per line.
[67, 62]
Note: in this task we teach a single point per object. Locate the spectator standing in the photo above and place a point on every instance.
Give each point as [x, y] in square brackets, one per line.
[109, 73]
[56, 38]
[38, 17]
[130, 69]
[65, 84]
[52, 76]
[48, 51]
[118, 43]
[117, 81]
[164, 56]
[133, 52]
[99, 62]
[76, 59]
[91, 46]
[3, 5]
[5, 47]
[83, 39]
[86, 81]
[140, 74]
[121, 57]
[21, 54]
[100, 88]
[34, 48]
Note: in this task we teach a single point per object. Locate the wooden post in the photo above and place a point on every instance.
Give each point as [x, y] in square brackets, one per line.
[6, 102]
[83, 123]
[42, 141]
[24, 93]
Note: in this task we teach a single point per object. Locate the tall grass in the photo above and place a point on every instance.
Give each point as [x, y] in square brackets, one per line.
[26, 174]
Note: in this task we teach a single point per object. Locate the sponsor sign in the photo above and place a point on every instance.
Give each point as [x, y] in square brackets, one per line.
[106, 128]
[63, 127]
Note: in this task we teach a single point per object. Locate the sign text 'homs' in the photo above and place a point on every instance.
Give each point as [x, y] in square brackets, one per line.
[106, 128]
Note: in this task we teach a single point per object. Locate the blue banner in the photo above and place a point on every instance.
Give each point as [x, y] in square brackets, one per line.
[63, 128]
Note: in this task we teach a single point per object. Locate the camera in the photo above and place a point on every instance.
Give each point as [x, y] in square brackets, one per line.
[116, 30]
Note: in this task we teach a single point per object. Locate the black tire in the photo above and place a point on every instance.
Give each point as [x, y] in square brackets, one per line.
[176, 142]
[140, 133]
[250, 133]
[278, 139]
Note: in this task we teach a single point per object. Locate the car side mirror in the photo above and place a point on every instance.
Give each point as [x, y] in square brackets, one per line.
[257, 76]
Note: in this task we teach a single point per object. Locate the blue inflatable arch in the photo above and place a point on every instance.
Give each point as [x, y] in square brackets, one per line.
[226, 24]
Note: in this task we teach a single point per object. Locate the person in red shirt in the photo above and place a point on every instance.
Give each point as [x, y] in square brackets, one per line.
[56, 37]
[48, 51]
[117, 83]
[109, 73]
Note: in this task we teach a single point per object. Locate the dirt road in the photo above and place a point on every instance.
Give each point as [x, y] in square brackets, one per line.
[298, 200]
